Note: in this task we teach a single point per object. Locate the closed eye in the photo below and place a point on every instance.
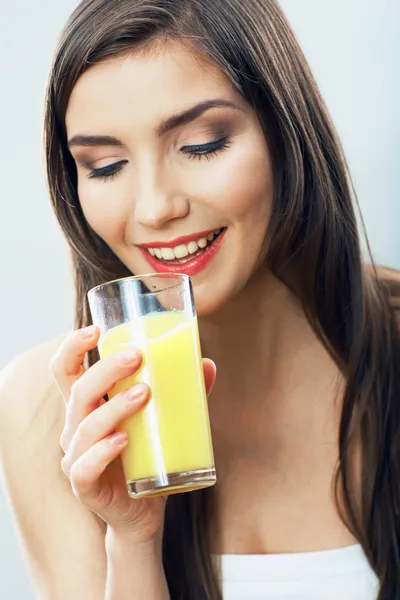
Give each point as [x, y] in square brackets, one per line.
[196, 151]
[208, 150]
[108, 172]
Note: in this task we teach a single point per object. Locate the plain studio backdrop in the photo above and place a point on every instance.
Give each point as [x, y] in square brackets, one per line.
[354, 53]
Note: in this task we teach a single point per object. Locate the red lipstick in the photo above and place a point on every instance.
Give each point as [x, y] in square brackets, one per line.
[184, 239]
[193, 265]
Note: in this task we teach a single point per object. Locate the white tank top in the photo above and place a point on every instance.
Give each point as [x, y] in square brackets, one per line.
[339, 574]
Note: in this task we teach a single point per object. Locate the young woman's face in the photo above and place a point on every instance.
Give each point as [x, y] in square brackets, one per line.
[169, 154]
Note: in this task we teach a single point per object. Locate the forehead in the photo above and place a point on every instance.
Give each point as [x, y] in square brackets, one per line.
[146, 86]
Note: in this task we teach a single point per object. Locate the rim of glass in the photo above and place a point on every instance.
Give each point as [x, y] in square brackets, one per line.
[181, 276]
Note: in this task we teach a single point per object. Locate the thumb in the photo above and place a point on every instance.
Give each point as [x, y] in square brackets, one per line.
[210, 372]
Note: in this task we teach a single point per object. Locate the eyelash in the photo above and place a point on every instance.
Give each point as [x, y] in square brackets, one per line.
[199, 151]
[108, 172]
[208, 151]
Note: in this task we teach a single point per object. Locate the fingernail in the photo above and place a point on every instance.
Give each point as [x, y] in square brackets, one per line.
[118, 438]
[128, 357]
[137, 392]
[88, 332]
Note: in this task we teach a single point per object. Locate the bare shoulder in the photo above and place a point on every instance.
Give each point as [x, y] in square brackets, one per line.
[391, 279]
[27, 382]
[387, 273]
[63, 542]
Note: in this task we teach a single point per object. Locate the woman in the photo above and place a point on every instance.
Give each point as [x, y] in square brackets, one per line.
[194, 118]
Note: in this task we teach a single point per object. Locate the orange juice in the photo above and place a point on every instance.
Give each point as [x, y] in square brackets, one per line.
[172, 433]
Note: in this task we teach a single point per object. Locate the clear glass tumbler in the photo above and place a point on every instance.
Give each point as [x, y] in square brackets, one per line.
[169, 447]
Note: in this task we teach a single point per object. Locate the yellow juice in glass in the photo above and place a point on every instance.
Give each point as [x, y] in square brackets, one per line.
[169, 439]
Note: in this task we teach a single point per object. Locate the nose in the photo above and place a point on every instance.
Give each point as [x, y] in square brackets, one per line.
[158, 200]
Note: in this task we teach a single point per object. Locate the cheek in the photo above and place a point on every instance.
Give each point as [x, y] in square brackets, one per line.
[105, 210]
[239, 184]
[249, 187]
[243, 193]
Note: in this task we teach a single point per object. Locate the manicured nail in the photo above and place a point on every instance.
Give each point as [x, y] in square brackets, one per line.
[137, 392]
[128, 357]
[118, 438]
[88, 332]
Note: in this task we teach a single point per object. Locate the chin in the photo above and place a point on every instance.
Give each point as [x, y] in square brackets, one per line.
[211, 298]
[211, 290]
[207, 306]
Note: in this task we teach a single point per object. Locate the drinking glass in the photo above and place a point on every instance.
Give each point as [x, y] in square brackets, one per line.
[169, 441]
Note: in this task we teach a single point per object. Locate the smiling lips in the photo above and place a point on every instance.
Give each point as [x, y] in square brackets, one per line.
[189, 254]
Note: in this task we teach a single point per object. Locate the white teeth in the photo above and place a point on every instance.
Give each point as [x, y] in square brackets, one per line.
[167, 254]
[192, 247]
[181, 251]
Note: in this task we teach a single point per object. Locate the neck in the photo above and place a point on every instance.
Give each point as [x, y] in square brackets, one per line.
[271, 368]
[256, 332]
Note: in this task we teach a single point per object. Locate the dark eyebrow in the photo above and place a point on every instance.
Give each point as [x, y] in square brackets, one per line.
[94, 140]
[193, 113]
[164, 127]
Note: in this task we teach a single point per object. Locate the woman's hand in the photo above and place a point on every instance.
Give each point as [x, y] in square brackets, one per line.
[90, 441]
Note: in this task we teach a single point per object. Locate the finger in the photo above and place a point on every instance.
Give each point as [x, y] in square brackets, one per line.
[66, 365]
[88, 391]
[210, 372]
[85, 473]
[104, 421]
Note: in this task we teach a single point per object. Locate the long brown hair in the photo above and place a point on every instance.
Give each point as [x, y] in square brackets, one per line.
[313, 246]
